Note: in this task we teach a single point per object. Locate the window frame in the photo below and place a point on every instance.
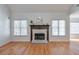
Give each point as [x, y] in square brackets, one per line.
[20, 29]
[70, 29]
[53, 27]
[58, 28]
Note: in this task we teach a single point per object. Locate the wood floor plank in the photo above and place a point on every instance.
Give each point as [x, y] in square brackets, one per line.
[52, 48]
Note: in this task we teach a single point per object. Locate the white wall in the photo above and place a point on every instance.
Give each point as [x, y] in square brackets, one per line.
[4, 25]
[47, 18]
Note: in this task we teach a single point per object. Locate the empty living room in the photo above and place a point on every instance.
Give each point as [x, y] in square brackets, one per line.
[39, 29]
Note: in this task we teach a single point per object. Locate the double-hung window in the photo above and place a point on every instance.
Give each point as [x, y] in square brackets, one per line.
[58, 27]
[20, 27]
[74, 28]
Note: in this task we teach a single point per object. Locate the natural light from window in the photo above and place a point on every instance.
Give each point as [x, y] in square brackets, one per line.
[58, 27]
[20, 27]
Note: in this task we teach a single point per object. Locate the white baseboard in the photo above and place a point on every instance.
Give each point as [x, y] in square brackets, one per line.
[4, 43]
[20, 40]
[59, 41]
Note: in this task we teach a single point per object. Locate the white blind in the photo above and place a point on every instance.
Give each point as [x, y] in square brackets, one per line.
[74, 28]
[58, 27]
[20, 27]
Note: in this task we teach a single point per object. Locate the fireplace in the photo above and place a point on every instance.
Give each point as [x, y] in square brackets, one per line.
[39, 33]
[39, 36]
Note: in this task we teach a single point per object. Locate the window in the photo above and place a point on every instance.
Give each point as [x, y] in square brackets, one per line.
[55, 27]
[74, 28]
[61, 27]
[20, 27]
[58, 27]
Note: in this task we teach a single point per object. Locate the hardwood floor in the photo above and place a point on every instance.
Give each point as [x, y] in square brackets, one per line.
[52, 48]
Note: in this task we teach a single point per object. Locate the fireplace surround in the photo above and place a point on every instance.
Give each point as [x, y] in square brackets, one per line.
[39, 33]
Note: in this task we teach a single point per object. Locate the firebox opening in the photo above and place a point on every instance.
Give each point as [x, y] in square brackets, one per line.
[39, 36]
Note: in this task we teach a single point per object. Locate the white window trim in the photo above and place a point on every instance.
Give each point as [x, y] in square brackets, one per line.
[58, 29]
[70, 29]
[20, 29]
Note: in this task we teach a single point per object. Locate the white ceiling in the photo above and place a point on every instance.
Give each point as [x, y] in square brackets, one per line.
[75, 12]
[40, 7]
